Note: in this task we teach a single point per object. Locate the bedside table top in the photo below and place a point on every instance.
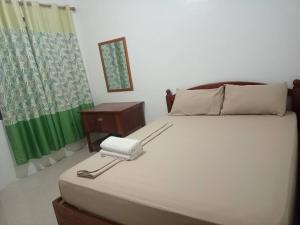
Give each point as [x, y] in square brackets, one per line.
[112, 107]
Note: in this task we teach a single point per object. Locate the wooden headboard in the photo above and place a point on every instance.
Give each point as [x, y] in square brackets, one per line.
[294, 93]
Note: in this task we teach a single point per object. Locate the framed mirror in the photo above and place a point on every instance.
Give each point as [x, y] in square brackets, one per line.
[115, 63]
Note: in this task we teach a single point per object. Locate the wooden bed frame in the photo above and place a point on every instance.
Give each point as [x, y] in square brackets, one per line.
[67, 214]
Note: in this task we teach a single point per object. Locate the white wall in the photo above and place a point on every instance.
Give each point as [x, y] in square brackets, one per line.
[181, 43]
[7, 172]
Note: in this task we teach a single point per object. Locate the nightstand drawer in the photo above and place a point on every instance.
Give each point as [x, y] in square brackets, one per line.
[101, 122]
[118, 119]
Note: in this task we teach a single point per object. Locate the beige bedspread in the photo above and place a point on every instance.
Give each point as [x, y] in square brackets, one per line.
[227, 170]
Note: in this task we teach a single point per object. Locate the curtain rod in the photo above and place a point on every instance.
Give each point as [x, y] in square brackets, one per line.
[45, 5]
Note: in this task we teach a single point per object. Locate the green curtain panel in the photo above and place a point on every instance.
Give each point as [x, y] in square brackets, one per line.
[43, 84]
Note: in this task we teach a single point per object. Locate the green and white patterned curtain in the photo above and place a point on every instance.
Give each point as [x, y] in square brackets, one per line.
[43, 84]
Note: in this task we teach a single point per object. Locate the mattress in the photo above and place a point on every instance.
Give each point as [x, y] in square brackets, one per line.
[226, 170]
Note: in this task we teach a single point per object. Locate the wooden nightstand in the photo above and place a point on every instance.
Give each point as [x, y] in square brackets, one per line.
[119, 119]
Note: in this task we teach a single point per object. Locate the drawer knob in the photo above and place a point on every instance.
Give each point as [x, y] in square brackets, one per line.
[99, 119]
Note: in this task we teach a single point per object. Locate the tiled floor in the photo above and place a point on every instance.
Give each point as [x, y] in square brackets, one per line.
[28, 201]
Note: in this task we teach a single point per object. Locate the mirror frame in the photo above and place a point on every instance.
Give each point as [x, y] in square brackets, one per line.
[123, 39]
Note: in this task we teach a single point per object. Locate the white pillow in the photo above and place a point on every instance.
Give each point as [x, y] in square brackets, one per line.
[198, 102]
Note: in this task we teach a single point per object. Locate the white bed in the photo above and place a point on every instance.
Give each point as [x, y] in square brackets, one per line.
[226, 170]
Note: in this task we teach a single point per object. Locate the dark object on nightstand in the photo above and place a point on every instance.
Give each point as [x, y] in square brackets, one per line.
[119, 119]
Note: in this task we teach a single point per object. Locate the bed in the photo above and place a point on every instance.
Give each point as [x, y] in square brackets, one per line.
[226, 170]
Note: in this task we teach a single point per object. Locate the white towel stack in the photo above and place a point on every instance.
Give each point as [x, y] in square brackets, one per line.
[124, 148]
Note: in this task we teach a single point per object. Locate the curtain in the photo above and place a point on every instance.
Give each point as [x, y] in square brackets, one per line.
[43, 83]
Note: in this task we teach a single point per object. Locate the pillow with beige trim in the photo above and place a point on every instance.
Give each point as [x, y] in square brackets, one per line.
[255, 99]
[198, 102]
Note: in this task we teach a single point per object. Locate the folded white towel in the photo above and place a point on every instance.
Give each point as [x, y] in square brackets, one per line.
[125, 146]
[122, 156]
